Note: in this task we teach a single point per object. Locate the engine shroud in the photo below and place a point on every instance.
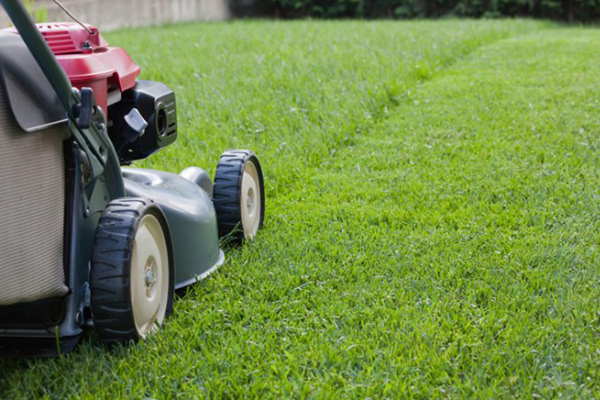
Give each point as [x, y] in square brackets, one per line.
[89, 61]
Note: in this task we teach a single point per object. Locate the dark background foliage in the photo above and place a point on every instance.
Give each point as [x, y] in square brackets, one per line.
[565, 10]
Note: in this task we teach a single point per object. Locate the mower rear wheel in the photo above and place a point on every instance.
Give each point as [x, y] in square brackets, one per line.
[132, 271]
[239, 195]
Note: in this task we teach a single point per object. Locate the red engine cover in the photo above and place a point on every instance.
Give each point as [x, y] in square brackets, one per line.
[89, 61]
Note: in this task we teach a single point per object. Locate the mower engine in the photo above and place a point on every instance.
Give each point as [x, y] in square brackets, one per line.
[141, 115]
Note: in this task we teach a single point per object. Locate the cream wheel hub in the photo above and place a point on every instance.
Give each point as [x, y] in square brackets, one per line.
[251, 203]
[149, 275]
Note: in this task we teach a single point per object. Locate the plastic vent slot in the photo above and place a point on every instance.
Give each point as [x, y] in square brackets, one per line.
[60, 42]
[59, 37]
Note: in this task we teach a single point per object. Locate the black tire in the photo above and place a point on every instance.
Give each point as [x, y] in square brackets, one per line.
[113, 307]
[228, 196]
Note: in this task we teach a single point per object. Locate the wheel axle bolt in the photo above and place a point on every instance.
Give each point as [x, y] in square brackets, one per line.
[149, 278]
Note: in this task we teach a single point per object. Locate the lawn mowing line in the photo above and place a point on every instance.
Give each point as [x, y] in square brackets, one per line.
[385, 104]
[389, 103]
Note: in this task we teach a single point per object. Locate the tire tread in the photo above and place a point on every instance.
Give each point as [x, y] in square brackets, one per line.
[227, 192]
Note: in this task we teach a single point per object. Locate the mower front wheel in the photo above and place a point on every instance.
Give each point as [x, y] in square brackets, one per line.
[132, 271]
[239, 195]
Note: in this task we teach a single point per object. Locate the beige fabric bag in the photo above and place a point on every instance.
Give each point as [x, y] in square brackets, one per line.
[32, 207]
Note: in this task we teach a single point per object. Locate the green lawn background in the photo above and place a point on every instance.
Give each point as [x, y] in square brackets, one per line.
[431, 220]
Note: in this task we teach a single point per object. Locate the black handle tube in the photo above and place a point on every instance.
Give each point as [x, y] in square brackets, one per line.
[40, 51]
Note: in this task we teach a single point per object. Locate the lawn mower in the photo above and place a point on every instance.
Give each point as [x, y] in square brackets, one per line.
[85, 240]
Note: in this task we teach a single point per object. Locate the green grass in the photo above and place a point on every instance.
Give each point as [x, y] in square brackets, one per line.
[432, 217]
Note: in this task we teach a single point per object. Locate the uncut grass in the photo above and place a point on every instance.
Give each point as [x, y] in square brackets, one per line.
[446, 249]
